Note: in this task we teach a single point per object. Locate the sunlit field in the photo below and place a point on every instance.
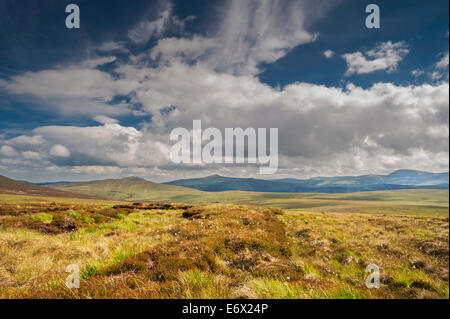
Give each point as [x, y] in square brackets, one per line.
[149, 250]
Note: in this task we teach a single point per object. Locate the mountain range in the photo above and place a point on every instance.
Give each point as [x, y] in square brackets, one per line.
[203, 189]
[401, 179]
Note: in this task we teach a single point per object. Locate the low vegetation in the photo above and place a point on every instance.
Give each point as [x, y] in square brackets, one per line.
[420, 202]
[161, 250]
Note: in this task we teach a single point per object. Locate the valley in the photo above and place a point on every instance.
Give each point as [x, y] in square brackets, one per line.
[155, 241]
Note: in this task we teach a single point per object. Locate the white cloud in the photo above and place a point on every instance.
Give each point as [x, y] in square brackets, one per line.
[59, 150]
[169, 48]
[254, 32]
[439, 131]
[328, 54]
[443, 63]
[249, 33]
[73, 90]
[147, 29]
[96, 170]
[8, 151]
[417, 73]
[112, 46]
[108, 144]
[24, 140]
[435, 76]
[323, 129]
[385, 56]
[68, 83]
[93, 63]
[30, 155]
[104, 119]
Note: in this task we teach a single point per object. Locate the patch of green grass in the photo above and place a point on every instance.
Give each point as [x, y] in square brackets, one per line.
[309, 269]
[45, 218]
[75, 215]
[90, 270]
[416, 278]
[122, 255]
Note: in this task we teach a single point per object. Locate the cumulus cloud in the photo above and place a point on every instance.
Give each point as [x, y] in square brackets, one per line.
[109, 144]
[59, 150]
[328, 54]
[385, 56]
[8, 151]
[316, 123]
[30, 155]
[68, 83]
[24, 140]
[74, 90]
[323, 130]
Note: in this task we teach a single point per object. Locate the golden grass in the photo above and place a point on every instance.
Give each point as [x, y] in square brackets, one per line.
[216, 251]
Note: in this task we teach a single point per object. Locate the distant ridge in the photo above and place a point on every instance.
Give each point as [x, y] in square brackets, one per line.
[130, 188]
[401, 179]
[189, 190]
[13, 187]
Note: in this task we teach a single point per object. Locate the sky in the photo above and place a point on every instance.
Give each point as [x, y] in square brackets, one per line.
[101, 101]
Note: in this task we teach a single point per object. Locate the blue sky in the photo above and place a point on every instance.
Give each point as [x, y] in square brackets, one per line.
[117, 77]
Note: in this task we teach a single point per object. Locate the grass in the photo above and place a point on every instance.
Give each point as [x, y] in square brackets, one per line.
[145, 250]
[45, 218]
[428, 202]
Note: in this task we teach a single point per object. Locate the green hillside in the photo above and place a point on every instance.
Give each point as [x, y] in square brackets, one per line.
[132, 188]
[13, 187]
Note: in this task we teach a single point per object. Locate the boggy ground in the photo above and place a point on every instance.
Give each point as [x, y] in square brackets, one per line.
[217, 251]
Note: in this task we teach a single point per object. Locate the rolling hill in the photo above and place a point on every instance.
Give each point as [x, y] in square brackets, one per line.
[402, 179]
[131, 188]
[410, 201]
[12, 187]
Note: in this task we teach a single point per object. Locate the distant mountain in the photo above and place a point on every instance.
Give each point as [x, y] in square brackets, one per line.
[52, 183]
[193, 190]
[13, 187]
[217, 183]
[131, 188]
[402, 179]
